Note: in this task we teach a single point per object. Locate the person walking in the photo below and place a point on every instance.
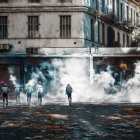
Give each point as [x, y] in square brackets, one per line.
[5, 92]
[17, 93]
[69, 93]
[40, 92]
[29, 91]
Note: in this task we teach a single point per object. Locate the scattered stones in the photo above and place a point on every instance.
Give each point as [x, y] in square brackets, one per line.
[75, 124]
[124, 124]
[43, 131]
[28, 138]
[38, 137]
[113, 117]
[46, 121]
[88, 112]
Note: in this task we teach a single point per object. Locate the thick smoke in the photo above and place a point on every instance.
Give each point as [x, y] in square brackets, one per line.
[12, 77]
[35, 78]
[76, 72]
[73, 71]
[127, 92]
[133, 86]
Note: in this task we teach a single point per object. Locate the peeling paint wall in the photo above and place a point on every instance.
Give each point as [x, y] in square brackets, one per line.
[49, 30]
[49, 12]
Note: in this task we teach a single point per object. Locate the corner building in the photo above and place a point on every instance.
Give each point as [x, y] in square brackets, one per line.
[33, 31]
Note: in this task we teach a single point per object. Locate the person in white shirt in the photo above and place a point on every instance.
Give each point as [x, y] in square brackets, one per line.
[40, 92]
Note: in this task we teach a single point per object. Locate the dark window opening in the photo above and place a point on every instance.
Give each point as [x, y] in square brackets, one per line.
[119, 38]
[64, 1]
[34, 1]
[97, 4]
[98, 32]
[103, 5]
[92, 30]
[131, 15]
[123, 39]
[3, 26]
[118, 9]
[103, 33]
[113, 5]
[121, 11]
[127, 13]
[33, 27]
[110, 36]
[137, 19]
[65, 26]
[127, 40]
[134, 18]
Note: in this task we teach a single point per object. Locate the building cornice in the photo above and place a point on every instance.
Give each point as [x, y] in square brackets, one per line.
[37, 9]
[41, 9]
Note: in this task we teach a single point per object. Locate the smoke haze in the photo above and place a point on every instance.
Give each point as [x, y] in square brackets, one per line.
[76, 72]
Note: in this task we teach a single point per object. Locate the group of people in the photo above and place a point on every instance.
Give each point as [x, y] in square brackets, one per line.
[29, 90]
[17, 90]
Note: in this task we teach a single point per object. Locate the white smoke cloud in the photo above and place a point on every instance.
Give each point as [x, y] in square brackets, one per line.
[75, 71]
[133, 86]
[12, 78]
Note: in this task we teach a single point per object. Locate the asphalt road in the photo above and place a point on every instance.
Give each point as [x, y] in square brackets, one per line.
[78, 122]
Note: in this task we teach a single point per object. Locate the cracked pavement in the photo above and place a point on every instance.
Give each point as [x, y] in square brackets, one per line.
[78, 122]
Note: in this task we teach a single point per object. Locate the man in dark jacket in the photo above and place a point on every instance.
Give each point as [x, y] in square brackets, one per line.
[69, 93]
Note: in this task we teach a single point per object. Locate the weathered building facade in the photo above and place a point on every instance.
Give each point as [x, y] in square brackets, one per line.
[40, 29]
[68, 23]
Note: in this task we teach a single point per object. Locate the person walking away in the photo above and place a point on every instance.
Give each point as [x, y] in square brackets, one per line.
[17, 93]
[40, 92]
[29, 93]
[5, 91]
[69, 93]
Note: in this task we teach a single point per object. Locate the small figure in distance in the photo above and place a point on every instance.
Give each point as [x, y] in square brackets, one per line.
[40, 92]
[17, 93]
[29, 91]
[5, 92]
[69, 93]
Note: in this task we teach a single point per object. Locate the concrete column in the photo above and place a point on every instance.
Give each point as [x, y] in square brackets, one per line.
[91, 70]
[22, 73]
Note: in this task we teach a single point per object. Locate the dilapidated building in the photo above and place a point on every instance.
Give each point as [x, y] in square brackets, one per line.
[33, 31]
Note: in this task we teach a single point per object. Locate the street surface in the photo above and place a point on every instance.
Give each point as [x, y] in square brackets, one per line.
[78, 122]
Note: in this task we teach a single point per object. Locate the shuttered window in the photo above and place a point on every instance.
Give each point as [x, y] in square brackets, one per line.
[3, 27]
[33, 27]
[65, 26]
[98, 32]
[103, 33]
